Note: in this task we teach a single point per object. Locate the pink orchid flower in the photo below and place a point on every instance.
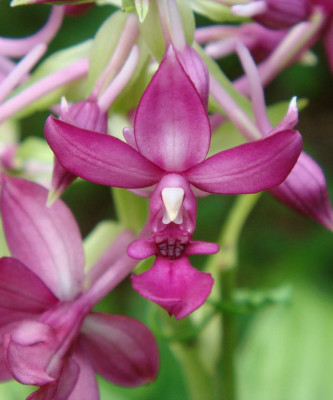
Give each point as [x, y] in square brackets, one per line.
[166, 155]
[50, 337]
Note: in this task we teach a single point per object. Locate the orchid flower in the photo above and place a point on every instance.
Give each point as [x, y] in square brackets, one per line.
[50, 337]
[166, 155]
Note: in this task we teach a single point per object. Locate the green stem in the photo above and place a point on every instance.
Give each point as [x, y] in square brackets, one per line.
[198, 380]
[224, 265]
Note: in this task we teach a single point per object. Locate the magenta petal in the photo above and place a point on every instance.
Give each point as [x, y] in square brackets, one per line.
[63, 387]
[141, 249]
[289, 121]
[175, 285]
[61, 179]
[29, 348]
[46, 239]
[86, 386]
[21, 289]
[250, 167]
[198, 247]
[99, 158]
[305, 191]
[171, 125]
[120, 349]
[197, 71]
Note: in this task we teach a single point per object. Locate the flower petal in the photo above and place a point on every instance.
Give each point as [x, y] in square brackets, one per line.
[199, 247]
[175, 285]
[290, 120]
[197, 71]
[250, 167]
[171, 125]
[28, 349]
[99, 158]
[141, 249]
[63, 387]
[120, 349]
[21, 289]
[86, 386]
[46, 239]
[305, 191]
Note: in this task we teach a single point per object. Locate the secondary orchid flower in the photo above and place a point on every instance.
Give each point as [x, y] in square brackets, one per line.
[305, 189]
[221, 40]
[50, 337]
[308, 20]
[167, 148]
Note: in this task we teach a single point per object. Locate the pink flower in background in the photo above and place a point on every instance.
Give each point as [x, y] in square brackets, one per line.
[50, 336]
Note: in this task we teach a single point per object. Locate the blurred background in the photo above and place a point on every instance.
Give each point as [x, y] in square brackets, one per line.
[285, 351]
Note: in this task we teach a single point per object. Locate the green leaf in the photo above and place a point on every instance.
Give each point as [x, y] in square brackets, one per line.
[13, 390]
[142, 8]
[128, 5]
[35, 148]
[98, 240]
[187, 16]
[151, 32]
[215, 11]
[103, 46]
[9, 132]
[225, 137]
[222, 79]
[4, 251]
[132, 210]
[287, 353]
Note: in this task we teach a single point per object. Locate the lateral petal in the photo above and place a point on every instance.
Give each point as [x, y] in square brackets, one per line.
[98, 157]
[250, 167]
[121, 349]
[171, 125]
[46, 239]
[175, 285]
[21, 289]
[63, 387]
[28, 349]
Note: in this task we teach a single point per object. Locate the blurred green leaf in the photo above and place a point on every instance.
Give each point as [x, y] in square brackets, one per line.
[245, 299]
[151, 32]
[288, 351]
[132, 210]
[103, 46]
[4, 251]
[35, 148]
[215, 11]
[14, 391]
[98, 240]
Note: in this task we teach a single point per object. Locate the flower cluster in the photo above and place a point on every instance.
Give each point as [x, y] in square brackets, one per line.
[170, 97]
